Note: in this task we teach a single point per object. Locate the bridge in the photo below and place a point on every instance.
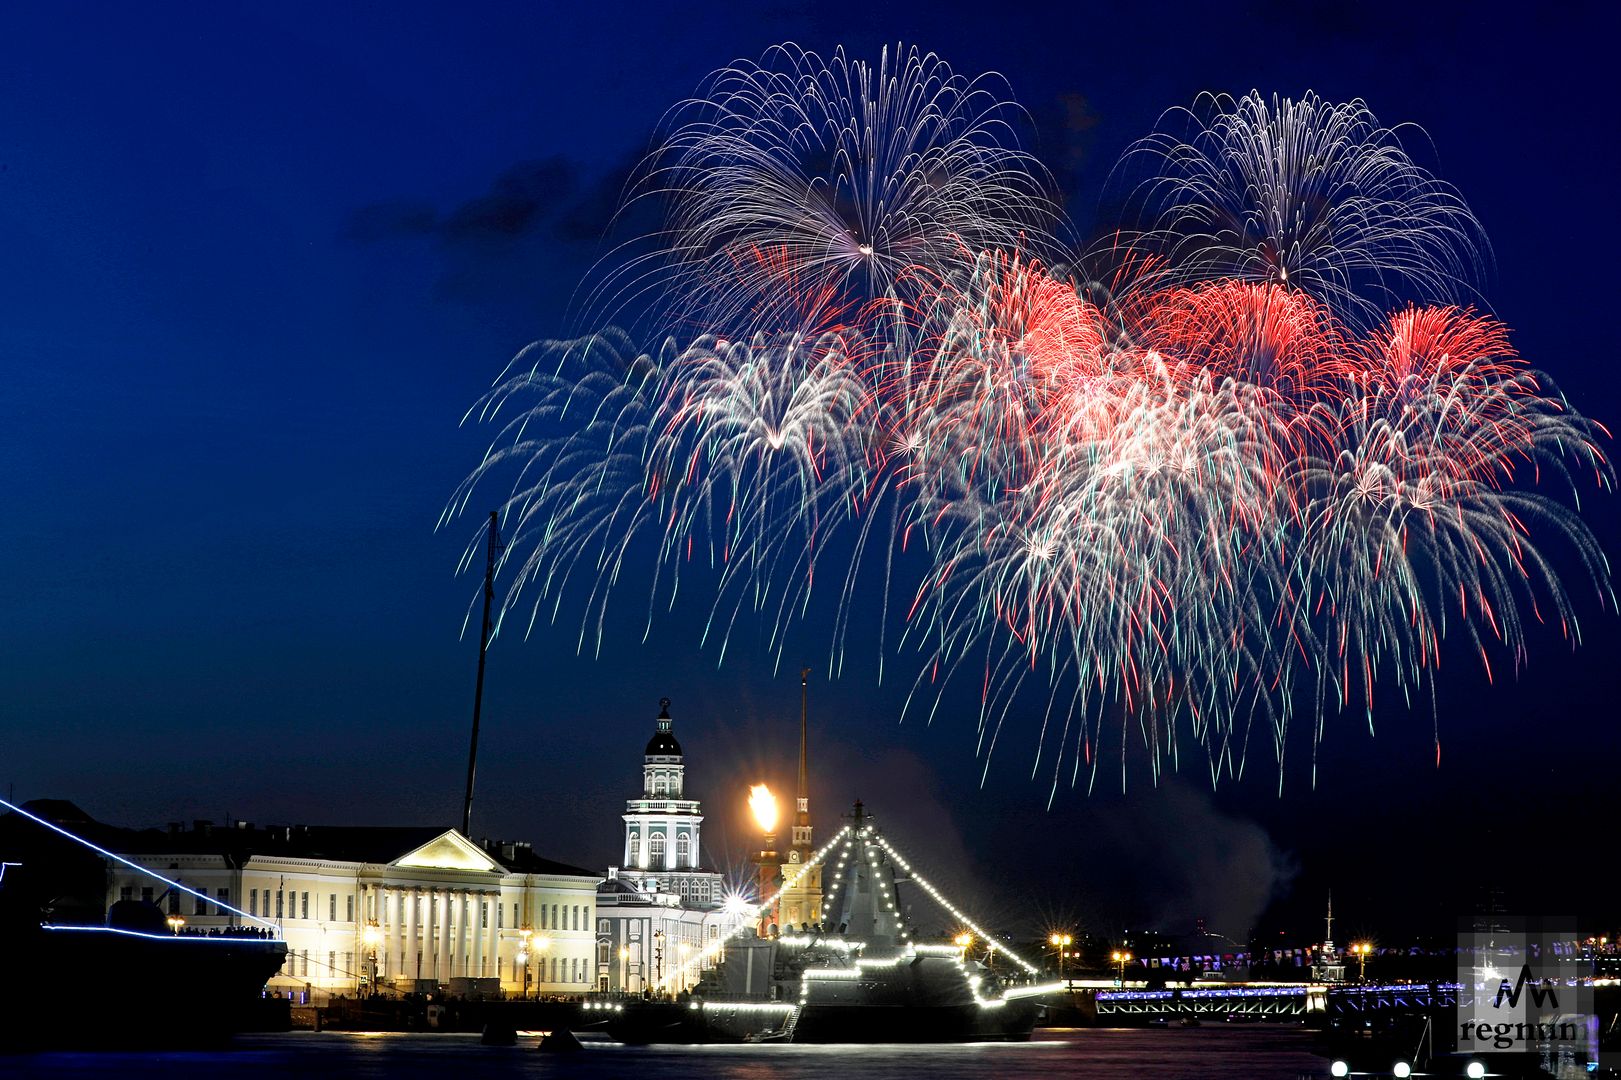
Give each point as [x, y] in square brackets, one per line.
[1265, 1001]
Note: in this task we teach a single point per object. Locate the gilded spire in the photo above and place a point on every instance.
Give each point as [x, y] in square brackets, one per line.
[803, 805]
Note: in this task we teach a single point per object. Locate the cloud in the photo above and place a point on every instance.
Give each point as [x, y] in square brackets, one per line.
[540, 219]
[1181, 858]
[524, 199]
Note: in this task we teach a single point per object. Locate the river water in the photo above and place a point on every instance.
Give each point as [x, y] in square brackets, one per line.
[1213, 1052]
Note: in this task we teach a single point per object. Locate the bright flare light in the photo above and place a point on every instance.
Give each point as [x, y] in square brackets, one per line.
[763, 805]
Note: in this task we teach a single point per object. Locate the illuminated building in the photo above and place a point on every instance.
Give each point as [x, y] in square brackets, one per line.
[661, 906]
[445, 913]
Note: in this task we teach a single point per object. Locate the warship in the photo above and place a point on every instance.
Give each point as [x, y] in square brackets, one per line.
[856, 975]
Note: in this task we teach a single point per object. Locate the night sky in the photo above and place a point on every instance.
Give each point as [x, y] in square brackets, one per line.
[258, 262]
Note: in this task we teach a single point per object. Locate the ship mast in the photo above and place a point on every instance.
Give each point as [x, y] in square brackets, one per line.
[493, 550]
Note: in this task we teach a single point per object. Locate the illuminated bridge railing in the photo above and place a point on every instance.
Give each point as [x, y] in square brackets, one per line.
[1269, 1001]
[1351, 1000]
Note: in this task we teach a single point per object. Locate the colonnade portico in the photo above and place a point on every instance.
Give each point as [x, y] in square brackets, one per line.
[445, 913]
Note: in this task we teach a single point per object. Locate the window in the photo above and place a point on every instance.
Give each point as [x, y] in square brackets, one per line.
[554, 918]
[199, 906]
[659, 786]
[224, 898]
[349, 908]
[498, 920]
[602, 952]
[146, 894]
[655, 848]
[331, 963]
[127, 892]
[253, 902]
[635, 846]
[543, 925]
[514, 914]
[575, 925]
[304, 907]
[602, 926]
[349, 962]
[174, 901]
[332, 908]
[483, 914]
[278, 903]
[683, 850]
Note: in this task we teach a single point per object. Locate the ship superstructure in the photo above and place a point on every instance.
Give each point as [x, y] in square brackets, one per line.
[857, 975]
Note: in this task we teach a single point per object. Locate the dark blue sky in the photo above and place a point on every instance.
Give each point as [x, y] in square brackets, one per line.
[257, 262]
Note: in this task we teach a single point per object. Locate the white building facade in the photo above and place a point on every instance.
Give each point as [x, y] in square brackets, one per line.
[658, 911]
[442, 915]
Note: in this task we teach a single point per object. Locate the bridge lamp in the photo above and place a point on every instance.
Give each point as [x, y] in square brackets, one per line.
[963, 940]
[1401, 1070]
[175, 923]
[1474, 1070]
[1339, 1068]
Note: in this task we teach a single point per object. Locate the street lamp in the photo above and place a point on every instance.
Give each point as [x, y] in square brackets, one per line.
[1361, 950]
[624, 961]
[1121, 959]
[523, 959]
[175, 923]
[1061, 942]
[370, 937]
[658, 959]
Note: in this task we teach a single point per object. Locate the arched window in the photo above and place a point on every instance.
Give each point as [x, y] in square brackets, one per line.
[655, 848]
[683, 850]
[660, 784]
[635, 849]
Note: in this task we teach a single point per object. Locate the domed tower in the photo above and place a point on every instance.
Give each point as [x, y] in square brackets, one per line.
[662, 826]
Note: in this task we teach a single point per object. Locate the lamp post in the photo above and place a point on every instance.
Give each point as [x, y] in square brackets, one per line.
[523, 960]
[1121, 959]
[370, 937]
[1061, 942]
[658, 959]
[624, 964]
[175, 923]
[1361, 950]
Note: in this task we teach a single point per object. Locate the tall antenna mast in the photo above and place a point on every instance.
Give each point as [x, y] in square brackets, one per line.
[483, 648]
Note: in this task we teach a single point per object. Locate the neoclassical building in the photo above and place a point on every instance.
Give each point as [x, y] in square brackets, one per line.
[657, 911]
[435, 910]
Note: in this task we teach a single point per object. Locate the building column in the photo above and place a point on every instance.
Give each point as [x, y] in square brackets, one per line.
[413, 933]
[458, 956]
[444, 936]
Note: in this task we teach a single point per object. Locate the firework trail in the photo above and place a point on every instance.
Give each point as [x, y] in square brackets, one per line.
[1311, 194]
[850, 171]
[1262, 467]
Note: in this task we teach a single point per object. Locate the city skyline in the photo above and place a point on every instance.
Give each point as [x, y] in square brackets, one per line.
[250, 313]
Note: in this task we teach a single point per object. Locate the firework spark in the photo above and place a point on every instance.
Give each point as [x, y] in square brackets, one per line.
[1266, 468]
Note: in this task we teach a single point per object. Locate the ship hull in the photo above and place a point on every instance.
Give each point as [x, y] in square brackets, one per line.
[96, 988]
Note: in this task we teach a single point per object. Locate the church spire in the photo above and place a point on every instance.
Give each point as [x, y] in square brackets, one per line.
[803, 805]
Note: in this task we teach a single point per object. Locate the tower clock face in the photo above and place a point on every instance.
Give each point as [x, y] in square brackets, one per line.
[793, 856]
